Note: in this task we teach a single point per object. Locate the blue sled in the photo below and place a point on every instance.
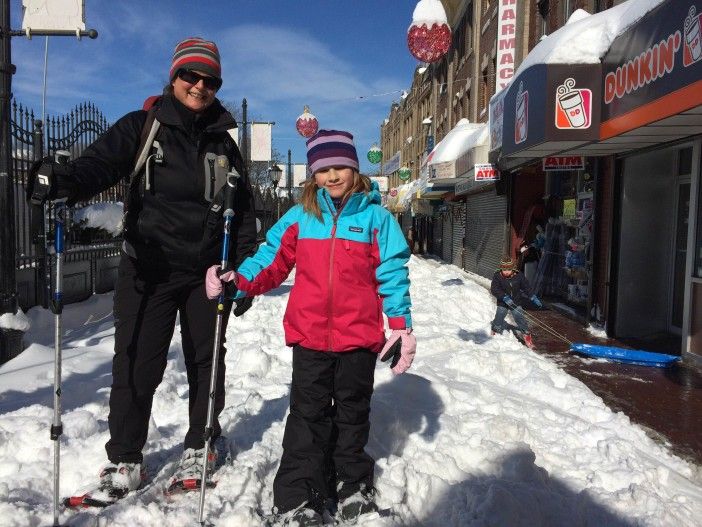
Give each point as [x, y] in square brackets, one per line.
[642, 358]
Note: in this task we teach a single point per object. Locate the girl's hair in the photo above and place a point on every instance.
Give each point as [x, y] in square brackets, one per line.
[309, 203]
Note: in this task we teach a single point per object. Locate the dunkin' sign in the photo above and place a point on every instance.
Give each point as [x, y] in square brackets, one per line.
[657, 61]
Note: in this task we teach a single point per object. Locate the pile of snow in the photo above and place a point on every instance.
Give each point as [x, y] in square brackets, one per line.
[481, 431]
[103, 215]
[18, 321]
[586, 38]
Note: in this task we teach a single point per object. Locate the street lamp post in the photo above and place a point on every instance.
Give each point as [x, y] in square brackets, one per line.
[290, 174]
[275, 173]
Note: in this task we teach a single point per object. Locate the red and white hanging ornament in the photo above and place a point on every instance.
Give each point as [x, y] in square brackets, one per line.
[307, 124]
[429, 35]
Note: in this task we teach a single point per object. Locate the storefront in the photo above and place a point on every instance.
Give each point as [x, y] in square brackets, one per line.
[450, 166]
[628, 237]
[549, 108]
[652, 121]
[485, 214]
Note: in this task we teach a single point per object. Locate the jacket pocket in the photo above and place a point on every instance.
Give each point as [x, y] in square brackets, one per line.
[216, 168]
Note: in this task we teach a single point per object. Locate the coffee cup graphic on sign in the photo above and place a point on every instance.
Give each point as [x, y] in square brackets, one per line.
[572, 104]
[692, 34]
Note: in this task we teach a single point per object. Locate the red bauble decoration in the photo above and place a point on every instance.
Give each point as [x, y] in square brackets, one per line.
[307, 124]
[429, 36]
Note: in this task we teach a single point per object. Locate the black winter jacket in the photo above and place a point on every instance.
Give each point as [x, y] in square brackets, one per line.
[516, 286]
[175, 224]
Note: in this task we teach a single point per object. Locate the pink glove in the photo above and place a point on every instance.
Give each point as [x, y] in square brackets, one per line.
[213, 281]
[400, 347]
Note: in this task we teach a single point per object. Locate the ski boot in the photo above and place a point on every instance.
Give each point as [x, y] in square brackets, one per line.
[116, 481]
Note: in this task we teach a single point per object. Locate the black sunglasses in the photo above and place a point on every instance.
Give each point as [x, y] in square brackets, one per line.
[212, 83]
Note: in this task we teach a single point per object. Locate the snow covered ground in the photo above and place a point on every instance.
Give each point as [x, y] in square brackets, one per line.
[481, 431]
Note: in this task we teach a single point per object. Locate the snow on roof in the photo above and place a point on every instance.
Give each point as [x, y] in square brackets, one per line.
[586, 38]
[462, 137]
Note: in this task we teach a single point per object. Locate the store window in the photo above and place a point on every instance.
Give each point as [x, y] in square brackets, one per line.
[560, 248]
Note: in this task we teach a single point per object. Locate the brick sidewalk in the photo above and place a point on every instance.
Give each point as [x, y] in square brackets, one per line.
[667, 402]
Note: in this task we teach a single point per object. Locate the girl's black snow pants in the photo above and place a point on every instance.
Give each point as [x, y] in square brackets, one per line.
[146, 303]
[327, 429]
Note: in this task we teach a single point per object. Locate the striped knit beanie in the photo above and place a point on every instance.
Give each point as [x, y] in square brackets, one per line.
[331, 148]
[507, 264]
[195, 53]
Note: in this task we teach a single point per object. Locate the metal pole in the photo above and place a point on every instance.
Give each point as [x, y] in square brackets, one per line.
[8, 293]
[245, 137]
[290, 175]
[229, 196]
[43, 92]
[61, 216]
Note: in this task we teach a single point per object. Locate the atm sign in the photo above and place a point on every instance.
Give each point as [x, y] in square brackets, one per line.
[486, 172]
[563, 163]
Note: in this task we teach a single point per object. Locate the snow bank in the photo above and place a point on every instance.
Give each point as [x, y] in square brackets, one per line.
[481, 431]
[104, 215]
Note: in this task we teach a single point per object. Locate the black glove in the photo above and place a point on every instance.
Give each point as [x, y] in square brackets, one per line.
[41, 182]
[242, 305]
[48, 180]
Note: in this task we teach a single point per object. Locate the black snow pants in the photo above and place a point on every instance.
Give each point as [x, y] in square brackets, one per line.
[146, 303]
[327, 429]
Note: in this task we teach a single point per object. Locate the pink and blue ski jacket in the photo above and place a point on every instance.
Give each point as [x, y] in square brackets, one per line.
[350, 268]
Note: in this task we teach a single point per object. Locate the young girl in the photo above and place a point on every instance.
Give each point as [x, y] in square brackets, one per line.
[350, 257]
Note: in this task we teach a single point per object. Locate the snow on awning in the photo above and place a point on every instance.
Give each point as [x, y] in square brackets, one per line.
[586, 38]
[462, 137]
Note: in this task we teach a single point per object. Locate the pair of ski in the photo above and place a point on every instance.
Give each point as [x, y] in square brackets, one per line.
[97, 498]
[89, 499]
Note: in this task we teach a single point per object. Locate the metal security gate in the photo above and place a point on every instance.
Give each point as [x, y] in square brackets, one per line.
[446, 252]
[458, 216]
[437, 236]
[406, 222]
[486, 214]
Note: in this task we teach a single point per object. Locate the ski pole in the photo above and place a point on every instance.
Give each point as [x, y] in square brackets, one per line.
[229, 191]
[60, 216]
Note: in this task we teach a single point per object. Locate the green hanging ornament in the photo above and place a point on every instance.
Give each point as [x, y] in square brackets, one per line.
[404, 173]
[375, 154]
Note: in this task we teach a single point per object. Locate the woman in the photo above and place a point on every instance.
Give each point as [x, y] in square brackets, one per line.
[172, 233]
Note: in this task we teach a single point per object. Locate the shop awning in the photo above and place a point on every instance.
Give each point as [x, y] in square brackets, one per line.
[454, 157]
[461, 138]
[438, 188]
[607, 83]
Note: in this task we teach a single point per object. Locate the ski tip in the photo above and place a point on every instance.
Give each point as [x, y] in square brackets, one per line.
[74, 502]
[186, 485]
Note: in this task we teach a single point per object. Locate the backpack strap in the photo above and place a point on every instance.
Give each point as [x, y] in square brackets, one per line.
[148, 133]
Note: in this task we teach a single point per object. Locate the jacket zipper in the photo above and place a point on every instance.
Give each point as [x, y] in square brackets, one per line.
[212, 177]
[330, 305]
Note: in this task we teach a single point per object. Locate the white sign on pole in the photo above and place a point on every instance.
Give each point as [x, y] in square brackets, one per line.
[49, 15]
[261, 141]
[299, 171]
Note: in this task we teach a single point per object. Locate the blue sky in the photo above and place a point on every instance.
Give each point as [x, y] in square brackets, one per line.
[336, 56]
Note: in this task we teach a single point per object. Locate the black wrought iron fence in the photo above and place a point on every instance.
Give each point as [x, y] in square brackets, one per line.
[31, 140]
